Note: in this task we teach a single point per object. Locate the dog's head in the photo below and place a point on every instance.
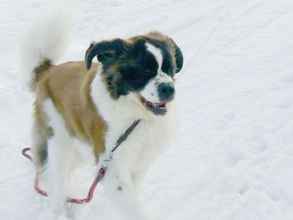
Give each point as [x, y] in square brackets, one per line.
[143, 65]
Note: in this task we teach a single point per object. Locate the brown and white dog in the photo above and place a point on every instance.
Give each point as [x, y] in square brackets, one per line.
[86, 104]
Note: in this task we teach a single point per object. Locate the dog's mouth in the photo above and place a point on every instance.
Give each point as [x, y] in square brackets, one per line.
[159, 108]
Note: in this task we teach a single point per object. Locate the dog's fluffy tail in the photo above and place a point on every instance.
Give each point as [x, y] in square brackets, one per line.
[44, 43]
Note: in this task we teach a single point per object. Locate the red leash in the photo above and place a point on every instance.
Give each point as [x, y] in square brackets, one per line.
[91, 191]
[100, 175]
[36, 184]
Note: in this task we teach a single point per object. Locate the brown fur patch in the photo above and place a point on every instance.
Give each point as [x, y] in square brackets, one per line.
[68, 86]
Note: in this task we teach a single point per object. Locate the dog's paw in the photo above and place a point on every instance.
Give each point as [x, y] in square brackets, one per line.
[63, 217]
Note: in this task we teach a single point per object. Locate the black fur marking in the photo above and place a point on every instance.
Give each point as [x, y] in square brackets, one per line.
[107, 52]
[141, 67]
[114, 84]
[131, 71]
[43, 153]
[169, 49]
[179, 58]
[167, 66]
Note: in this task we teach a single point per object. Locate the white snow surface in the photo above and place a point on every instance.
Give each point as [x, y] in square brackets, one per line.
[233, 157]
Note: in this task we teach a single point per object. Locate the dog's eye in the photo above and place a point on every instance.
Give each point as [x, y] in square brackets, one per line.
[106, 56]
[148, 72]
[133, 77]
[129, 73]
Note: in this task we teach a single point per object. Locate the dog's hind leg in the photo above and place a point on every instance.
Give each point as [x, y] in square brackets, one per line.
[40, 134]
[61, 158]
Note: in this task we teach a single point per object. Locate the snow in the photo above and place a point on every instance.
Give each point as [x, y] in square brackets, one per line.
[233, 156]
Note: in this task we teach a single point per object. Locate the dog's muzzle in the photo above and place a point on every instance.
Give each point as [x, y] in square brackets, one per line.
[166, 92]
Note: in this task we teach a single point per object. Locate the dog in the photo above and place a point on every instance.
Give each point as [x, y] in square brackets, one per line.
[89, 104]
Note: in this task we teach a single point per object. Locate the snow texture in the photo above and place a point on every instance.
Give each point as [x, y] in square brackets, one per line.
[233, 157]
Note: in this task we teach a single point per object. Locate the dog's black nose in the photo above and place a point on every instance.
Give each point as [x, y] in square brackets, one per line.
[166, 91]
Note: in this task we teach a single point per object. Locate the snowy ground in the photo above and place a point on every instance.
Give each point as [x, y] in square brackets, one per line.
[233, 157]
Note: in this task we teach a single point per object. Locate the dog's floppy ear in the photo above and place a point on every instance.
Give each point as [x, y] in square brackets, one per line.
[105, 51]
[158, 38]
[178, 56]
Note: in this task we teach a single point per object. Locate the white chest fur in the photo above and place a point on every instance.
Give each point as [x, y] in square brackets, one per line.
[146, 142]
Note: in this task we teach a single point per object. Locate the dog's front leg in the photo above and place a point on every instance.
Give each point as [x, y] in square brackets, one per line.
[121, 193]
